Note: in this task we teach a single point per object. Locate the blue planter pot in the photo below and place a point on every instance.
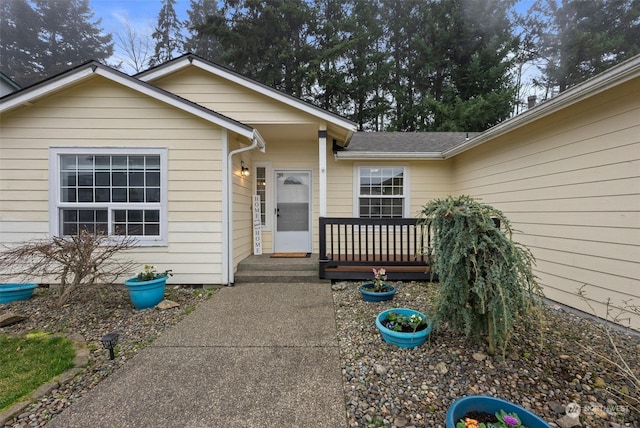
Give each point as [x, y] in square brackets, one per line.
[146, 294]
[492, 405]
[13, 292]
[401, 339]
[374, 296]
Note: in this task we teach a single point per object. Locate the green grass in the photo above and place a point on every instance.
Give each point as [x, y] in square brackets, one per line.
[30, 361]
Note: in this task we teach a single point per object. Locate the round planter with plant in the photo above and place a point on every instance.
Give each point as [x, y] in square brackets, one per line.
[403, 327]
[377, 290]
[146, 289]
[13, 292]
[482, 411]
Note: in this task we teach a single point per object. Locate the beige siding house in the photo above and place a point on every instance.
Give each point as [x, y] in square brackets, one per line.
[175, 155]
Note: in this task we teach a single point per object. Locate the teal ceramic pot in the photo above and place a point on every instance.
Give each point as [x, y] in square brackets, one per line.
[492, 405]
[399, 338]
[375, 296]
[13, 292]
[146, 294]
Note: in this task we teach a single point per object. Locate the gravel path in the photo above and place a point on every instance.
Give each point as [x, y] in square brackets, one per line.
[384, 385]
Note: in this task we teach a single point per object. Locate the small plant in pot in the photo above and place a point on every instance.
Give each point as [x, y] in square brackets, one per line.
[146, 289]
[403, 327]
[377, 290]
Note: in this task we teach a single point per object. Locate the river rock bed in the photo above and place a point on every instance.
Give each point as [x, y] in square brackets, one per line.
[392, 387]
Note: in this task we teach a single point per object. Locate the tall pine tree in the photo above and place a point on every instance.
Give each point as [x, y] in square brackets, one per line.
[202, 44]
[578, 39]
[168, 34]
[49, 38]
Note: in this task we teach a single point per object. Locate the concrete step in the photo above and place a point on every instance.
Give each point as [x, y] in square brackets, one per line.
[277, 265]
[282, 276]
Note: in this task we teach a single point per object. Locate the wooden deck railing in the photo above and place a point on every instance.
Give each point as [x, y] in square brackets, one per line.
[351, 247]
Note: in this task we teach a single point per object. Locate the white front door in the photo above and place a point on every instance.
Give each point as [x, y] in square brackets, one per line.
[293, 212]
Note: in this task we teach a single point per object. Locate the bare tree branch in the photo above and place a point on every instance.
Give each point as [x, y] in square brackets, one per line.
[75, 261]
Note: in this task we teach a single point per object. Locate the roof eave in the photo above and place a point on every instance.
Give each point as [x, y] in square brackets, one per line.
[616, 75]
[95, 68]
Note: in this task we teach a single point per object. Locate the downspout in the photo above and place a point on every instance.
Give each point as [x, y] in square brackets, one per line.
[257, 142]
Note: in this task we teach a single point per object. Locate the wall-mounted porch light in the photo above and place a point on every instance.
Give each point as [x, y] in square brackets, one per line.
[244, 171]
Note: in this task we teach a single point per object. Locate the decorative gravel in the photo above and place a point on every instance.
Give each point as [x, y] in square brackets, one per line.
[384, 385]
[388, 386]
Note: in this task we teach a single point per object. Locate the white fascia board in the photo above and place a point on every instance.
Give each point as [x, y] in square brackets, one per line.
[245, 131]
[618, 74]
[249, 84]
[39, 91]
[346, 155]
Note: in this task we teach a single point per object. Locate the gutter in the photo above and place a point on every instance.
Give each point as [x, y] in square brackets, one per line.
[257, 142]
[345, 155]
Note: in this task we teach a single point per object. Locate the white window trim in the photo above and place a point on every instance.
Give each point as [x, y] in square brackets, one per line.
[406, 206]
[268, 206]
[54, 188]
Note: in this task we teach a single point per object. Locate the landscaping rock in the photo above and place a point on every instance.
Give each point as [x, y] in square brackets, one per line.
[167, 304]
[10, 318]
[568, 422]
[478, 356]
[340, 286]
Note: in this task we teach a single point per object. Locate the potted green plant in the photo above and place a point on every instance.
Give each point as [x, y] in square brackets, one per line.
[483, 411]
[147, 288]
[403, 327]
[377, 290]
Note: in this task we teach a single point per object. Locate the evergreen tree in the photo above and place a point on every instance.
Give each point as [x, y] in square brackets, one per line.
[473, 87]
[20, 45]
[50, 38]
[578, 39]
[330, 50]
[267, 41]
[366, 66]
[204, 45]
[167, 34]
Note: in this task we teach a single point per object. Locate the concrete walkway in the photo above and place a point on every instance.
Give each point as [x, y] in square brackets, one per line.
[255, 355]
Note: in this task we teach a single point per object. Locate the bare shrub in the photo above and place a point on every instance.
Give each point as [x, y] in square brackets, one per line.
[74, 261]
[631, 394]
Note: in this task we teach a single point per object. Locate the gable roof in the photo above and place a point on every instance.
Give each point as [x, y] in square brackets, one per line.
[94, 68]
[190, 59]
[397, 145]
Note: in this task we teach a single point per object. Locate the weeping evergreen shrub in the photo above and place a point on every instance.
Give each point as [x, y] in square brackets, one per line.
[487, 287]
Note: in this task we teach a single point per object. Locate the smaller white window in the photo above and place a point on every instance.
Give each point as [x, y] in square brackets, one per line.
[113, 191]
[381, 192]
[263, 187]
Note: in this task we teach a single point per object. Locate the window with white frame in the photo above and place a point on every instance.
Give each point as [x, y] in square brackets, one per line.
[381, 192]
[261, 190]
[111, 191]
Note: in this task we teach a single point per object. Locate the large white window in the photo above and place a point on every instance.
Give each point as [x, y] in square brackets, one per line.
[381, 192]
[113, 191]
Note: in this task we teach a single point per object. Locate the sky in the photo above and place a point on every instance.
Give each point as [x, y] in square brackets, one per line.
[143, 16]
